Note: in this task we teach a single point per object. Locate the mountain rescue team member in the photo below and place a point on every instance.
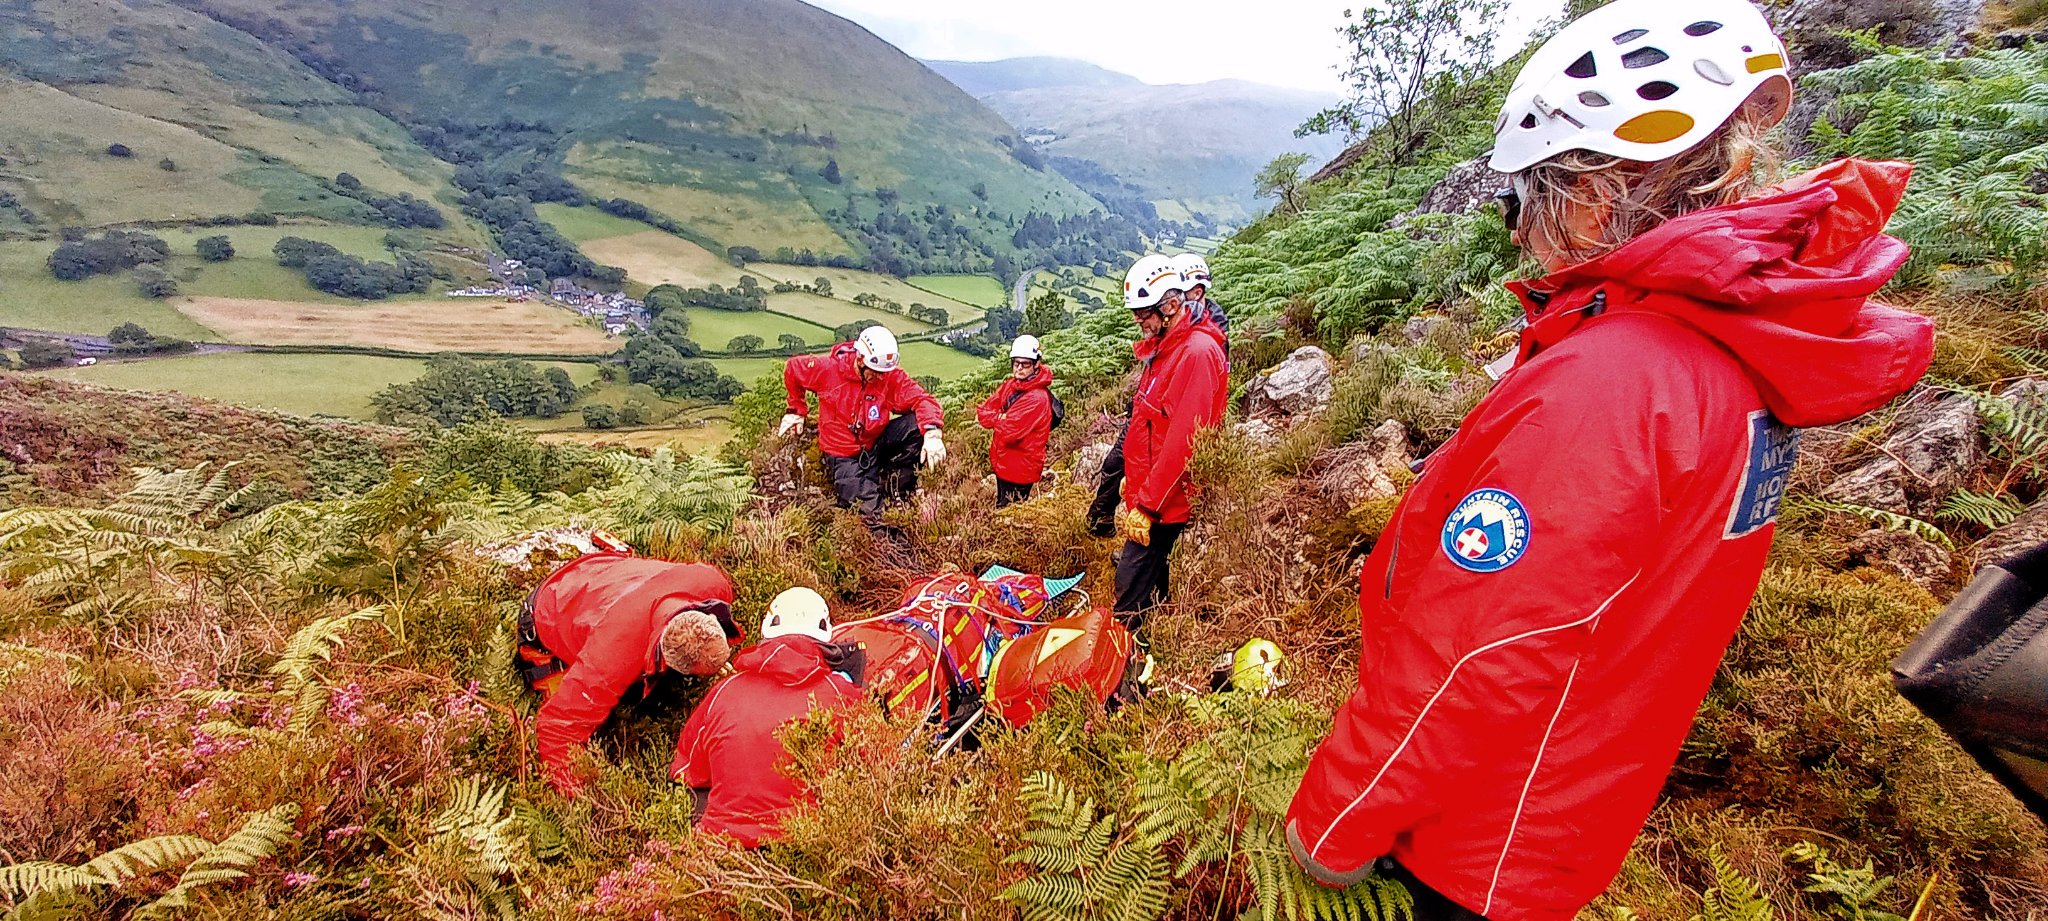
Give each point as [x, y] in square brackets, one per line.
[1549, 604]
[728, 754]
[1195, 279]
[1181, 390]
[1020, 415]
[869, 417]
[1195, 269]
[605, 623]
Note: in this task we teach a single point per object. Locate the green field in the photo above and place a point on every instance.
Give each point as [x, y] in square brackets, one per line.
[30, 297]
[1202, 245]
[583, 224]
[833, 313]
[337, 385]
[256, 242]
[922, 359]
[978, 290]
[712, 329]
[848, 283]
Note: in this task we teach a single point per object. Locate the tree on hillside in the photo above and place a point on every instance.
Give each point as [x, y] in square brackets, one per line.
[1410, 62]
[789, 341]
[155, 282]
[744, 343]
[1045, 313]
[216, 249]
[119, 150]
[822, 285]
[45, 353]
[662, 299]
[347, 182]
[600, 416]
[128, 335]
[1281, 179]
[635, 412]
[831, 171]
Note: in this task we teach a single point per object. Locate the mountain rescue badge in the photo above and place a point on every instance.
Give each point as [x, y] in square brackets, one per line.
[1487, 532]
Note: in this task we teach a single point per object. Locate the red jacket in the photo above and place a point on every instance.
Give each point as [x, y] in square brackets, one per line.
[851, 414]
[1182, 390]
[1545, 611]
[729, 744]
[597, 615]
[1022, 426]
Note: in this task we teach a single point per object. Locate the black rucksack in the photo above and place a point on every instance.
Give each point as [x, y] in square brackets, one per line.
[1059, 409]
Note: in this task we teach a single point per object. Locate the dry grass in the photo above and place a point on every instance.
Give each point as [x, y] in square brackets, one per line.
[449, 324]
[656, 257]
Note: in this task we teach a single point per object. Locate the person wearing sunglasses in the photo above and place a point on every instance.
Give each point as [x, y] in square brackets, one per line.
[1547, 607]
[1182, 384]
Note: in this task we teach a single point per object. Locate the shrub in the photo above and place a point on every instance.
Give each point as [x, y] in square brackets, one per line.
[155, 282]
[600, 416]
[119, 150]
[216, 249]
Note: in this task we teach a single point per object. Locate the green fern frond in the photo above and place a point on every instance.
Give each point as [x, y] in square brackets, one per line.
[1889, 520]
[146, 856]
[1733, 897]
[258, 839]
[1981, 509]
[31, 877]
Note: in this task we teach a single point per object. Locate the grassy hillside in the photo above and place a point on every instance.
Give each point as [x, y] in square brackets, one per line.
[720, 114]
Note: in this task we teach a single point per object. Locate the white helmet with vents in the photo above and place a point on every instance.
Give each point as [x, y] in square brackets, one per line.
[1193, 267]
[1643, 80]
[877, 348]
[1149, 280]
[1026, 346]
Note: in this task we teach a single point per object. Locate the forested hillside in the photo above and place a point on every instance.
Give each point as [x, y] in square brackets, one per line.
[236, 691]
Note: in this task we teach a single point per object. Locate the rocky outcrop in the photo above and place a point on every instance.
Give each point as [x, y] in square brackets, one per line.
[1902, 555]
[2024, 533]
[1087, 469]
[1298, 386]
[1469, 186]
[1932, 452]
[1361, 472]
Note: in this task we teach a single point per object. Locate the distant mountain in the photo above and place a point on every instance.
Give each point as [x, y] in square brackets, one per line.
[1191, 147]
[761, 123]
[984, 77]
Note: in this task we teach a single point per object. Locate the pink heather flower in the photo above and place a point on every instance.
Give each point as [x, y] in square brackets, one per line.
[295, 879]
[345, 831]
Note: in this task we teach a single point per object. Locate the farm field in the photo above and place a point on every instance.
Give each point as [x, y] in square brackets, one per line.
[763, 216]
[923, 359]
[688, 439]
[253, 242]
[30, 297]
[979, 290]
[832, 313]
[849, 283]
[433, 325]
[712, 329]
[582, 224]
[335, 385]
[656, 257]
[1202, 245]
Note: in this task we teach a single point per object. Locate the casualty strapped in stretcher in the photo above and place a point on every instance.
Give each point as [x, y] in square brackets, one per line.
[955, 639]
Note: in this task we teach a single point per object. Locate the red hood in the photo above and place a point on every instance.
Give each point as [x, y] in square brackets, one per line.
[1039, 381]
[1183, 327]
[787, 660]
[1781, 282]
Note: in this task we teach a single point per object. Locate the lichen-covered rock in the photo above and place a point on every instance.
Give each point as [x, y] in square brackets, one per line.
[1934, 450]
[1903, 555]
[2024, 533]
[1260, 432]
[1088, 463]
[1373, 468]
[1299, 385]
[1468, 186]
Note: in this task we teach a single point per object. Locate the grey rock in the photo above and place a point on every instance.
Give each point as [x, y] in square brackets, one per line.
[1088, 463]
[1903, 555]
[1467, 187]
[1934, 450]
[1300, 385]
[1419, 327]
[1365, 470]
[2031, 393]
[2024, 533]
[1260, 431]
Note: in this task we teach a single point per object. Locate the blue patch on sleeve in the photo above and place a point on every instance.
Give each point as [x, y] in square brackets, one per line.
[1773, 446]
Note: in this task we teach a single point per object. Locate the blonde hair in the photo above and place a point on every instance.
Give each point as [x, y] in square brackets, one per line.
[1586, 205]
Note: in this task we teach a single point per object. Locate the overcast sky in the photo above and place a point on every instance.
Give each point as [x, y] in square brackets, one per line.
[1281, 42]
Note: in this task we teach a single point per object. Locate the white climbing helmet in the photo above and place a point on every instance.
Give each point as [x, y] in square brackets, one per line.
[1194, 268]
[798, 610]
[1643, 80]
[877, 348]
[1026, 346]
[1148, 281]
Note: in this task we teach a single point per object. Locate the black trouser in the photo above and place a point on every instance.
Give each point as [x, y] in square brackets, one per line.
[1008, 492]
[885, 472]
[1109, 492]
[1430, 905]
[1141, 576]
